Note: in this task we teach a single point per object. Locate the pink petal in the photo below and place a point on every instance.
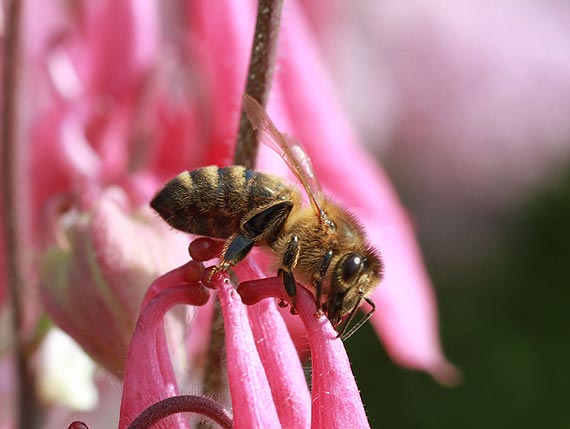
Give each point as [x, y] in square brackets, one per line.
[252, 401]
[132, 249]
[408, 310]
[77, 300]
[77, 154]
[149, 376]
[93, 282]
[336, 402]
[223, 32]
[279, 357]
[120, 41]
[177, 143]
[51, 169]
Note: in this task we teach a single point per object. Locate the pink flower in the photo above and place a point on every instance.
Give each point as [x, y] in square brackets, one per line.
[113, 119]
[438, 83]
[336, 402]
[406, 317]
[267, 382]
[95, 276]
[100, 245]
[303, 104]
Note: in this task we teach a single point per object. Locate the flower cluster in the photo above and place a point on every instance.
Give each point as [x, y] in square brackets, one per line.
[123, 96]
[266, 380]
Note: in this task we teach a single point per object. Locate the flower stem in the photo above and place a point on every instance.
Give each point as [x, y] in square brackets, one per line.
[259, 75]
[12, 194]
[181, 404]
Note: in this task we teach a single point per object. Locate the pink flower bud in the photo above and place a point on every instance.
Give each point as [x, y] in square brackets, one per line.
[93, 281]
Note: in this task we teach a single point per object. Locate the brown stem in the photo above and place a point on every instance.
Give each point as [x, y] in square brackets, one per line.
[259, 75]
[181, 404]
[12, 196]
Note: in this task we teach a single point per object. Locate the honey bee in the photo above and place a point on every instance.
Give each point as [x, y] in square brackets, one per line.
[320, 244]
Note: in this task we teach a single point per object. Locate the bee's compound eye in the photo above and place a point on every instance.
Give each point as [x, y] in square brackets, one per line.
[351, 266]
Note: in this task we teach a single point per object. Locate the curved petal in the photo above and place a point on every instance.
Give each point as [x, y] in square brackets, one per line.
[132, 249]
[279, 357]
[252, 402]
[336, 402]
[120, 41]
[223, 30]
[408, 306]
[149, 376]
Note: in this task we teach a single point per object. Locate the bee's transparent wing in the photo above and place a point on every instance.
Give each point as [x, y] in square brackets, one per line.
[300, 159]
[289, 148]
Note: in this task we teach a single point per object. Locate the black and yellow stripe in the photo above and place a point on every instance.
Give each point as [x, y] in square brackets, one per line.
[211, 201]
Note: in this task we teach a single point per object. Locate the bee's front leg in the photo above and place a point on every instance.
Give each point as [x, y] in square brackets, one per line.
[318, 279]
[235, 249]
[289, 261]
[259, 225]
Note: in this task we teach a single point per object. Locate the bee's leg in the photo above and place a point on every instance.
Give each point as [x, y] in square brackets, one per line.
[289, 261]
[261, 224]
[235, 249]
[318, 277]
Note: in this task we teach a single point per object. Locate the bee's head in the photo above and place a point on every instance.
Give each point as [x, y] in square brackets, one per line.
[354, 276]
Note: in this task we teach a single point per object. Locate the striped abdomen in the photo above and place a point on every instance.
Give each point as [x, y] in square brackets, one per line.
[211, 201]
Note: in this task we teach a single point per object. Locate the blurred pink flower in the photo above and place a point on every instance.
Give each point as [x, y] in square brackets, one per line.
[465, 100]
[100, 249]
[449, 81]
[93, 280]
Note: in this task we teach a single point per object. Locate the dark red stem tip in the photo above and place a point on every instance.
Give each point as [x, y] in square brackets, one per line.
[183, 404]
[77, 425]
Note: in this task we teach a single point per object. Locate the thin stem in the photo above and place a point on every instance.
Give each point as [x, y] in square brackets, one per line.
[11, 163]
[259, 75]
[183, 404]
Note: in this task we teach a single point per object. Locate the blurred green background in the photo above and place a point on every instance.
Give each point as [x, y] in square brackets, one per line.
[504, 320]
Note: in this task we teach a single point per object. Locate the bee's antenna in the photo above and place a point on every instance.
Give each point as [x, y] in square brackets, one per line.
[343, 334]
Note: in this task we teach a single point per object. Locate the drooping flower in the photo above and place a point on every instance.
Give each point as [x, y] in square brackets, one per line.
[302, 103]
[266, 379]
[149, 375]
[406, 318]
[113, 121]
